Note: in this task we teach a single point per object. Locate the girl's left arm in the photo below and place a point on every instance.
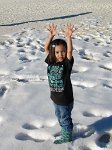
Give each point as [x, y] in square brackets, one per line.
[69, 48]
[68, 33]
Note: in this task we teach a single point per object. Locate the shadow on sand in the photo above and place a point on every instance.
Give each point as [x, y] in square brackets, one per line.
[105, 124]
[102, 127]
[47, 19]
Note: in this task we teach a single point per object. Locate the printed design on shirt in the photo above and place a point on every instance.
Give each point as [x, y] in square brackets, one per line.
[55, 78]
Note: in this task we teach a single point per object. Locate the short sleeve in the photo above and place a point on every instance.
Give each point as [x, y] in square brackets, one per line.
[69, 63]
[47, 59]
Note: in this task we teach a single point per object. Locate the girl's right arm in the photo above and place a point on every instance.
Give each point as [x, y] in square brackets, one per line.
[53, 32]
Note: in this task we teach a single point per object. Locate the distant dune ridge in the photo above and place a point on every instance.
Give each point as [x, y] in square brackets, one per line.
[18, 14]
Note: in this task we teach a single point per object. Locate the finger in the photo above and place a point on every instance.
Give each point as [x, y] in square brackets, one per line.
[72, 27]
[55, 26]
[52, 25]
[69, 25]
[48, 29]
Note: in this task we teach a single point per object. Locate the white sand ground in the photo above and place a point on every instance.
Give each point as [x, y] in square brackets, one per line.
[18, 14]
[27, 120]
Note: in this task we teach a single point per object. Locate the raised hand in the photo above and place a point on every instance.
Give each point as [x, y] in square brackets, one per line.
[68, 30]
[52, 29]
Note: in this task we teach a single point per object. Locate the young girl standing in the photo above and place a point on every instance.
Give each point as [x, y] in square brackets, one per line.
[60, 61]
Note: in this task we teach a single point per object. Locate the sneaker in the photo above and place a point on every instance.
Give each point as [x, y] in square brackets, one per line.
[65, 137]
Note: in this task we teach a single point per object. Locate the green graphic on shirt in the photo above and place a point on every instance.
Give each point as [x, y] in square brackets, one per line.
[55, 78]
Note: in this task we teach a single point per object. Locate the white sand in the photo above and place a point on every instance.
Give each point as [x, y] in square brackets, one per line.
[18, 14]
[27, 119]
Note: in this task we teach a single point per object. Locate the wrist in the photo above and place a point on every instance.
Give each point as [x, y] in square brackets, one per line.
[51, 36]
[68, 37]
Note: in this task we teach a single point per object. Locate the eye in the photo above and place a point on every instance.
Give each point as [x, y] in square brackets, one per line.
[63, 51]
[57, 52]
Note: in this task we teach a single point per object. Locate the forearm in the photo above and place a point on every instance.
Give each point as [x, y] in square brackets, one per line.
[50, 38]
[68, 32]
[69, 47]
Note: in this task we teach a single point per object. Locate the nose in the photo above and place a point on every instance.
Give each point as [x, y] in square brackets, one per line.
[60, 54]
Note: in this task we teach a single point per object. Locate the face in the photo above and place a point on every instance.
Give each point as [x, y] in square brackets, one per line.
[60, 53]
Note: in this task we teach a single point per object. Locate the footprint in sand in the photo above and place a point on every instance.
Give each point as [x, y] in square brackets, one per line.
[24, 59]
[103, 140]
[79, 69]
[88, 114]
[108, 84]
[84, 148]
[107, 66]
[19, 69]
[36, 136]
[3, 89]
[84, 84]
[22, 80]
[82, 131]
[33, 53]
[97, 113]
[36, 131]
[107, 54]
[21, 50]
[27, 56]
[20, 45]
[2, 45]
[88, 55]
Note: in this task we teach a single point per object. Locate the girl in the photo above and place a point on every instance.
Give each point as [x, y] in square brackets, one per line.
[60, 62]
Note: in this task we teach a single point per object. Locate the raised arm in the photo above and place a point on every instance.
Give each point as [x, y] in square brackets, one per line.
[68, 33]
[53, 32]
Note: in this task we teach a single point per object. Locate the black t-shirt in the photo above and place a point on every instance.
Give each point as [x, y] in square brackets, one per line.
[59, 81]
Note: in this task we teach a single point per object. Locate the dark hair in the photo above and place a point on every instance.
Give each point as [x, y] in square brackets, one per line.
[52, 46]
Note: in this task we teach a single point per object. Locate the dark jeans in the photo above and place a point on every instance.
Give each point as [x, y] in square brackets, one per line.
[63, 114]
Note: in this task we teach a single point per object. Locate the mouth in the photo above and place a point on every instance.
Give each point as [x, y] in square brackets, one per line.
[61, 58]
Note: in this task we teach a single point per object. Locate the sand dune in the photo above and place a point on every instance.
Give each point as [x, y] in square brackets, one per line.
[18, 14]
[27, 119]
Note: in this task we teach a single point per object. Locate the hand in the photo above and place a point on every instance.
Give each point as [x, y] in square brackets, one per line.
[69, 30]
[52, 29]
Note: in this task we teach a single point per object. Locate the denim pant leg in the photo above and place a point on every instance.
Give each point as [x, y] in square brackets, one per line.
[63, 114]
